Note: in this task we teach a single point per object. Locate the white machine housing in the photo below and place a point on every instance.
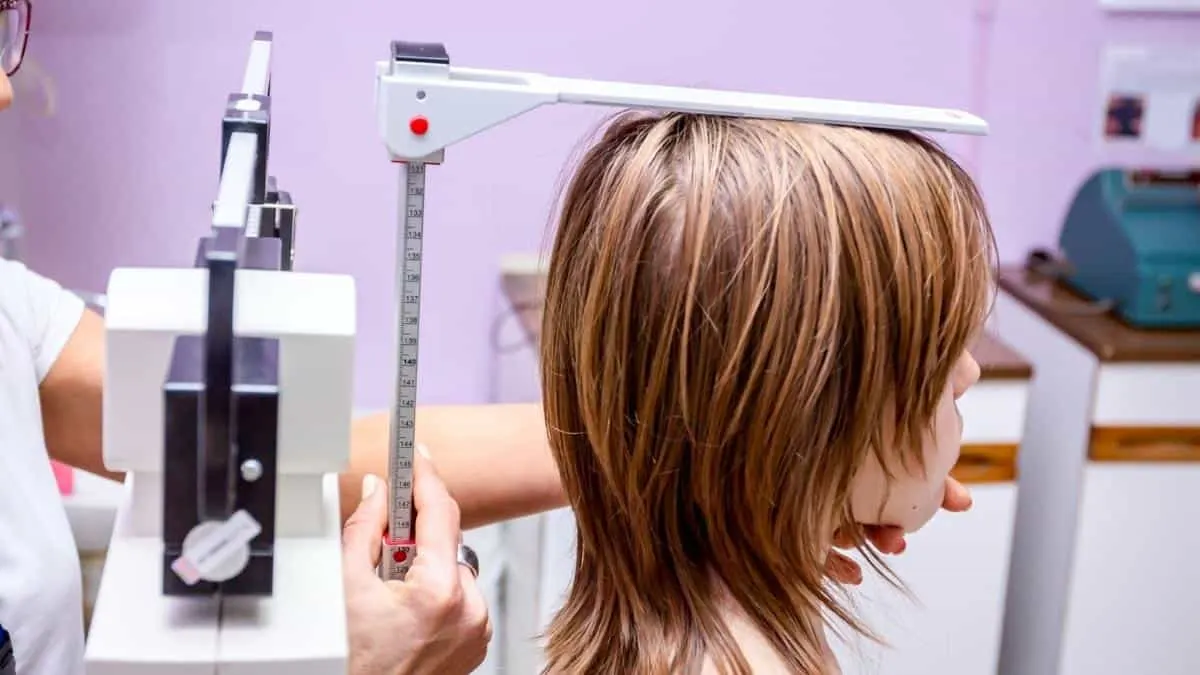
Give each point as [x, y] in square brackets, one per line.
[300, 629]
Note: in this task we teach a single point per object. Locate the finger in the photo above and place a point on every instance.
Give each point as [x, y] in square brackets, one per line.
[362, 536]
[437, 527]
[958, 497]
[844, 538]
[475, 617]
[887, 539]
[843, 569]
[474, 607]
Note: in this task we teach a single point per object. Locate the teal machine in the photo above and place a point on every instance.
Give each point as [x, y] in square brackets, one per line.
[1132, 238]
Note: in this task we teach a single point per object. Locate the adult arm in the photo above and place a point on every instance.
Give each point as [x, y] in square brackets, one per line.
[72, 399]
[494, 459]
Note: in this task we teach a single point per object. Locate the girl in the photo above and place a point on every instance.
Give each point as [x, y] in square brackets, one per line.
[754, 336]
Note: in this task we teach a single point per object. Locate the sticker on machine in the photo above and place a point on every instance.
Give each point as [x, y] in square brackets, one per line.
[217, 550]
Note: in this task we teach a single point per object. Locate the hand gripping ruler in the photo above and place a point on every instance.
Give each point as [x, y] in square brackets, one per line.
[424, 105]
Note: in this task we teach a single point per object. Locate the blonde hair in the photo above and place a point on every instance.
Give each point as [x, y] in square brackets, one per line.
[736, 310]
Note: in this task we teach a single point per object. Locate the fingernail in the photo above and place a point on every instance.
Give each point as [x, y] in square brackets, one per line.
[370, 482]
[423, 450]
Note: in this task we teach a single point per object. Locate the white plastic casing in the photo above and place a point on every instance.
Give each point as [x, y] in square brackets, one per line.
[300, 629]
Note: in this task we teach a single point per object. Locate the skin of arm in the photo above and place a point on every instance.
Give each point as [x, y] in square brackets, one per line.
[72, 396]
[494, 460]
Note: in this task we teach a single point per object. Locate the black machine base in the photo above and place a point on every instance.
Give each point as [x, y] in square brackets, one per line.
[256, 399]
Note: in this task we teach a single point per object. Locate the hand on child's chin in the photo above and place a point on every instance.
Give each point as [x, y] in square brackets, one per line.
[957, 498]
[888, 539]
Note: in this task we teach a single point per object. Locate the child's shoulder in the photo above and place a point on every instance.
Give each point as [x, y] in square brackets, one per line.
[763, 658]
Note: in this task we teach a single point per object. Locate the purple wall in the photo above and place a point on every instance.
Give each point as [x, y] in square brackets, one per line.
[1042, 88]
[125, 173]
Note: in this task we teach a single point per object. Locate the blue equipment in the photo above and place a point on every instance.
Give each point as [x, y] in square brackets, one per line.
[1132, 238]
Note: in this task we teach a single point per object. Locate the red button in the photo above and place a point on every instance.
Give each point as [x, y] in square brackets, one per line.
[418, 125]
[400, 555]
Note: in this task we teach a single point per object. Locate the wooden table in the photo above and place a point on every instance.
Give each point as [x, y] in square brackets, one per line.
[1104, 578]
[957, 566]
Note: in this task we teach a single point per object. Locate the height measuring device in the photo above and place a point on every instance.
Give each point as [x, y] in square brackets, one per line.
[425, 105]
[400, 544]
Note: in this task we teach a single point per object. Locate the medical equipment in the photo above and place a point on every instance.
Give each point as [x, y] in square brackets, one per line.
[228, 394]
[1132, 239]
[425, 104]
[228, 385]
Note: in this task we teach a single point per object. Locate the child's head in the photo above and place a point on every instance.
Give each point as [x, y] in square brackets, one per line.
[754, 334]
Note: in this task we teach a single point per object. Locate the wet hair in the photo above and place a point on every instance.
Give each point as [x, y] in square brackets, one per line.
[738, 312]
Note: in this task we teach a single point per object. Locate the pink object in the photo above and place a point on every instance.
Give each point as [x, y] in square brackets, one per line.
[65, 476]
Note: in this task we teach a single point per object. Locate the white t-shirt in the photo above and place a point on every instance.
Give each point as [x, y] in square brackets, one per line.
[40, 594]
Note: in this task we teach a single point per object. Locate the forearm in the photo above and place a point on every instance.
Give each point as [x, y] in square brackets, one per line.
[494, 459]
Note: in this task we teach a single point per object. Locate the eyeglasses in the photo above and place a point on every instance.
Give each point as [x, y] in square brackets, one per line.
[14, 33]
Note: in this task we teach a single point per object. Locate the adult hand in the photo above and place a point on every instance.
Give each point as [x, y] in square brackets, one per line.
[887, 539]
[433, 622]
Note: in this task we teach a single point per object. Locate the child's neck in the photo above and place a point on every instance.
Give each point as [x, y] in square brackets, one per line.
[757, 649]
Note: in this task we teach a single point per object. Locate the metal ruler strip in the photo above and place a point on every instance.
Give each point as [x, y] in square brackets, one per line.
[400, 548]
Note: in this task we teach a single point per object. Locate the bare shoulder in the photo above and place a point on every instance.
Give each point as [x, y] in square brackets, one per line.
[763, 658]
